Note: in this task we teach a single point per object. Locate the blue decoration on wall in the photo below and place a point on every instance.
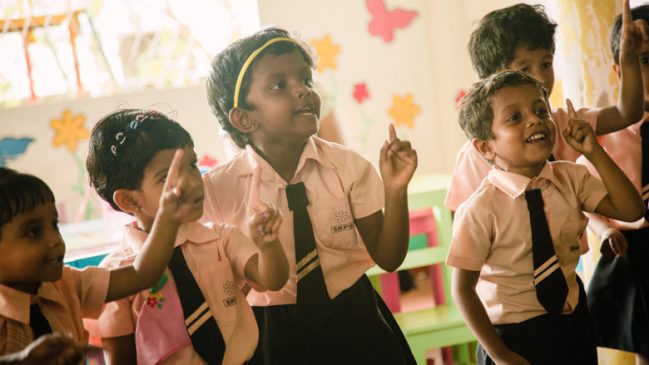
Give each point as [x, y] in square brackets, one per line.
[11, 148]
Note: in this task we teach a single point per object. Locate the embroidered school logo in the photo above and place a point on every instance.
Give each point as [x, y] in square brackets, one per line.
[344, 223]
[155, 299]
[229, 289]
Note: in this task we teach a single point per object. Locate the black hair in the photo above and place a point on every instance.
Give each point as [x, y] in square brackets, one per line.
[122, 145]
[639, 12]
[225, 71]
[493, 43]
[20, 193]
[476, 112]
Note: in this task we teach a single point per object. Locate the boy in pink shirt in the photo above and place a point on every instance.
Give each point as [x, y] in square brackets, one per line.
[196, 313]
[40, 295]
[516, 238]
[521, 38]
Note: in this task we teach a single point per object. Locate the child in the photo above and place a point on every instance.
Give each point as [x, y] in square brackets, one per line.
[196, 314]
[521, 38]
[40, 295]
[515, 286]
[261, 90]
[621, 282]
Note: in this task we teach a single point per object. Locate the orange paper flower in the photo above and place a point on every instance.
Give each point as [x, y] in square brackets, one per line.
[69, 130]
[403, 110]
[327, 52]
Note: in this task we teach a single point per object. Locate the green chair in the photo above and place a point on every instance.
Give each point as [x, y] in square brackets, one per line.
[442, 325]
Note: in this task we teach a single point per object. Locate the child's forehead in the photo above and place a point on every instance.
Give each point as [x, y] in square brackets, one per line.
[516, 94]
[272, 62]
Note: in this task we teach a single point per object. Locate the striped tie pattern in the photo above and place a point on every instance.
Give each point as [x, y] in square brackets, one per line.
[313, 303]
[551, 286]
[207, 339]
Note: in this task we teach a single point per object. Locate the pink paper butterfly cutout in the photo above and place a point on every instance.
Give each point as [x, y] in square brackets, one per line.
[384, 21]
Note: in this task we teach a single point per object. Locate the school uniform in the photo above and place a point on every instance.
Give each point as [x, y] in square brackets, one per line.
[63, 303]
[618, 294]
[341, 186]
[471, 167]
[492, 234]
[216, 257]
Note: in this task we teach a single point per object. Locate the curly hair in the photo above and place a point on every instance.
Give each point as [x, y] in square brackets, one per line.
[225, 71]
[493, 43]
[122, 145]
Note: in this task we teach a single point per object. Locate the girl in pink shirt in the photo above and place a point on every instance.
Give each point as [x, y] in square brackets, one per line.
[196, 313]
[261, 90]
[40, 295]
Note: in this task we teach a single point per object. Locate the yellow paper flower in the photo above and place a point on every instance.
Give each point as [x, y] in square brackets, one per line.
[403, 110]
[327, 52]
[69, 130]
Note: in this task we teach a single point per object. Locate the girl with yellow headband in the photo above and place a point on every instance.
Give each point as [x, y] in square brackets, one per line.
[341, 218]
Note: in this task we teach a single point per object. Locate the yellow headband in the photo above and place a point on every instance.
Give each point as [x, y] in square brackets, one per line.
[251, 58]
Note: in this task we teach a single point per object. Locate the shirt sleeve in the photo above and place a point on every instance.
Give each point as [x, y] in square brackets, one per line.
[92, 286]
[367, 195]
[472, 232]
[238, 247]
[470, 170]
[590, 189]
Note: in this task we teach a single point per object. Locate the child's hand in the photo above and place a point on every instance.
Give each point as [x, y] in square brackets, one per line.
[512, 358]
[579, 134]
[633, 35]
[613, 243]
[54, 349]
[175, 200]
[265, 219]
[398, 161]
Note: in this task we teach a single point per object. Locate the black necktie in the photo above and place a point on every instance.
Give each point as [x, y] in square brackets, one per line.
[644, 133]
[551, 287]
[313, 303]
[202, 328]
[37, 321]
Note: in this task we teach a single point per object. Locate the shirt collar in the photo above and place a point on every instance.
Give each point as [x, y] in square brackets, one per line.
[514, 184]
[247, 160]
[192, 232]
[15, 304]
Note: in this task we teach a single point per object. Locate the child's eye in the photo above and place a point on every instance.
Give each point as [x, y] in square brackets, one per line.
[514, 117]
[33, 231]
[194, 164]
[308, 82]
[278, 85]
[547, 65]
[543, 113]
[644, 59]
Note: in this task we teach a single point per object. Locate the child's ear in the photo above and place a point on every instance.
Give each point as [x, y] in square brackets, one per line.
[484, 148]
[242, 120]
[125, 201]
[616, 69]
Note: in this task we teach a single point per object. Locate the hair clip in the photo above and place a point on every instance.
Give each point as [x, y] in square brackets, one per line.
[120, 137]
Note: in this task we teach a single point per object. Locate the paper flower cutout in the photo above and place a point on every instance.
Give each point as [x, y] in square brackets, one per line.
[69, 130]
[327, 52]
[385, 21]
[360, 92]
[207, 161]
[11, 148]
[458, 98]
[403, 110]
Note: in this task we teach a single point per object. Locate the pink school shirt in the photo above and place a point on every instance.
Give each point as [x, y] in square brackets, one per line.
[471, 167]
[341, 186]
[491, 234]
[78, 294]
[204, 248]
[625, 149]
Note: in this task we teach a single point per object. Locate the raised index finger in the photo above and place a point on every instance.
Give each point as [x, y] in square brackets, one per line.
[392, 132]
[253, 198]
[627, 18]
[174, 168]
[572, 114]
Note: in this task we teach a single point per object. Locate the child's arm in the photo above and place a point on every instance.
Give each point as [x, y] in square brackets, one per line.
[154, 257]
[612, 240]
[386, 236]
[269, 268]
[51, 349]
[475, 315]
[623, 201]
[630, 102]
